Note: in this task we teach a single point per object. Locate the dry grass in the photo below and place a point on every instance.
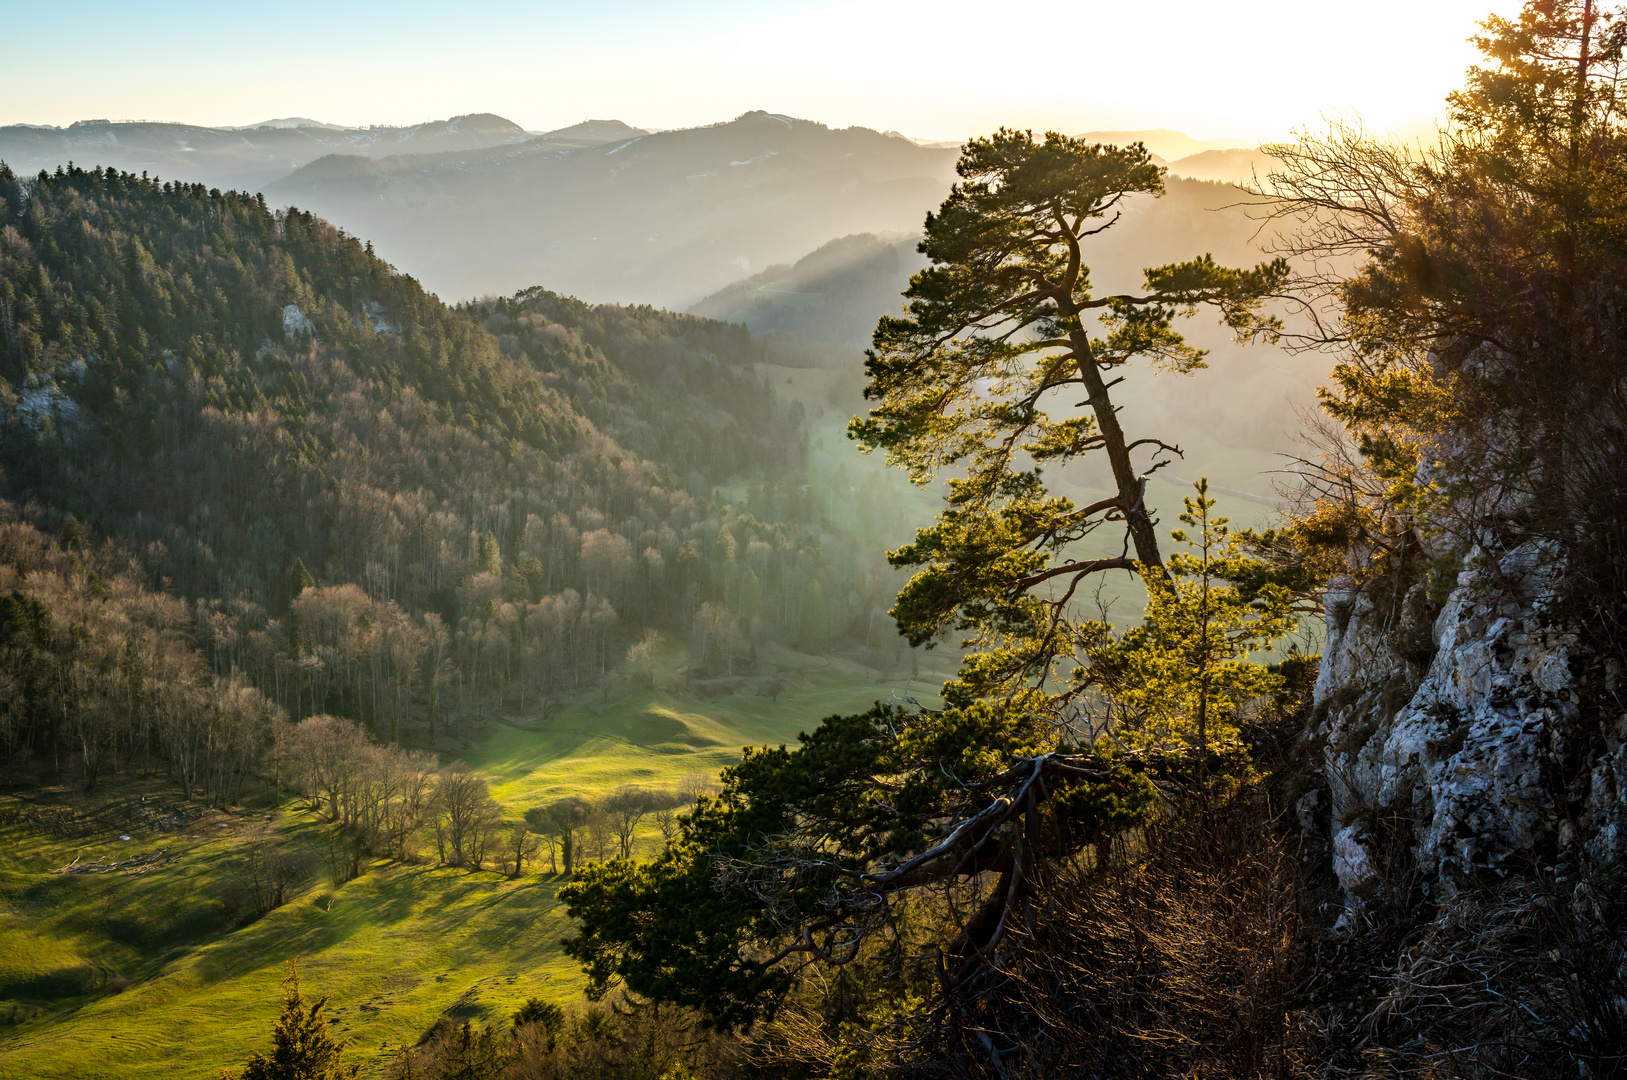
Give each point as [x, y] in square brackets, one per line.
[1522, 981]
[1179, 961]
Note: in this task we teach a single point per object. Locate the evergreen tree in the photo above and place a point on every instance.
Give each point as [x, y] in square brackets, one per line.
[300, 578]
[1180, 675]
[490, 557]
[994, 337]
[546, 1015]
[808, 854]
[1482, 347]
[531, 575]
[302, 1049]
[74, 537]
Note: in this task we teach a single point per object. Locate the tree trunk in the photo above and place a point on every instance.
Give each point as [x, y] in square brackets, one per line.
[1131, 487]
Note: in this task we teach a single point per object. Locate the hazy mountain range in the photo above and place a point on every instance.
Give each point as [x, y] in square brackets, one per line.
[785, 225]
[662, 218]
[476, 204]
[836, 292]
[1233, 419]
[1164, 144]
[249, 158]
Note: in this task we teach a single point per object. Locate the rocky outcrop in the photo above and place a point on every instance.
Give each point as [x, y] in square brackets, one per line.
[1464, 732]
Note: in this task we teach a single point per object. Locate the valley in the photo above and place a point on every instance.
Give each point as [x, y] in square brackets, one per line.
[143, 974]
[813, 541]
[257, 473]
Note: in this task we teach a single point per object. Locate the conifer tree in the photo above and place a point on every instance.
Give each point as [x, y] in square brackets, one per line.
[300, 578]
[1180, 675]
[302, 1049]
[74, 537]
[546, 1015]
[805, 854]
[1480, 336]
[490, 556]
[994, 372]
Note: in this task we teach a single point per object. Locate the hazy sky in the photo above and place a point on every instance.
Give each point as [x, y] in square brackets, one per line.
[931, 68]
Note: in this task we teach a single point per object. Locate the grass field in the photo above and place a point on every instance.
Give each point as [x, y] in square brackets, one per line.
[144, 975]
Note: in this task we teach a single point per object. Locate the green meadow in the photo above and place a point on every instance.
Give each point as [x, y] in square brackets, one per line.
[146, 975]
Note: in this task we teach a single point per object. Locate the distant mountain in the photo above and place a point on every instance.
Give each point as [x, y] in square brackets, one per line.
[1229, 161]
[835, 293]
[1165, 143]
[664, 218]
[593, 133]
[839, 290]
[1226, 166]
[250, 158]
[291, 122]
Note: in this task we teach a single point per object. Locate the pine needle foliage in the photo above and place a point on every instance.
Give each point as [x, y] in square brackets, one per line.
[302, 1048]
[995, 373]
[1180, 676]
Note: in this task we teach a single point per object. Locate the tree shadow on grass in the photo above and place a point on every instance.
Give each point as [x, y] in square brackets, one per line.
[302, 928]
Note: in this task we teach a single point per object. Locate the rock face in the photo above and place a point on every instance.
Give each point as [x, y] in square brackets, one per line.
[1468, 737]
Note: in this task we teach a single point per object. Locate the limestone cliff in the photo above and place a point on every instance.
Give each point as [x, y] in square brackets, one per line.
[1476, 732]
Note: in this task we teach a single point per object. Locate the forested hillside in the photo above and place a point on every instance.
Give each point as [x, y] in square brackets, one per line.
[369, 499]
[96, 668]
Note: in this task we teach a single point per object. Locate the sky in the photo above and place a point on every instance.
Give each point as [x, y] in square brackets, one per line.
[938, 69]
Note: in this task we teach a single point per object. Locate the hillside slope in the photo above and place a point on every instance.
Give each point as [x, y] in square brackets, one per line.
[148, 975]
[230, 390]
[834, 293]
[1226, 166]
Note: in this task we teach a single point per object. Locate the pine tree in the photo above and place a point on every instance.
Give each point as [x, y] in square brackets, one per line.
[300, 578]
[490, 556]
[1180, 675]
[994, 788]
[74, 537]
[995, 372]
[302, 1047]
[546, 1015]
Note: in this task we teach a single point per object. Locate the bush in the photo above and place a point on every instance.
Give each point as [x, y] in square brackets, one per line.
[623, 1041]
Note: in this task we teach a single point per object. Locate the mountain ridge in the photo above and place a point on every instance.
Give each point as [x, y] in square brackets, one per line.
[250, 158]
[662, 217]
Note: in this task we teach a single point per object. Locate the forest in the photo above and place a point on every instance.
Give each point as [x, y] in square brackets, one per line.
[533, 688]
[368, 501]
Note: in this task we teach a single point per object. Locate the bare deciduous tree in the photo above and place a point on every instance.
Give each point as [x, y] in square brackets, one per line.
[466, 818]
[599, 833]
[267, 873]
[626, 807]
[520, 846]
